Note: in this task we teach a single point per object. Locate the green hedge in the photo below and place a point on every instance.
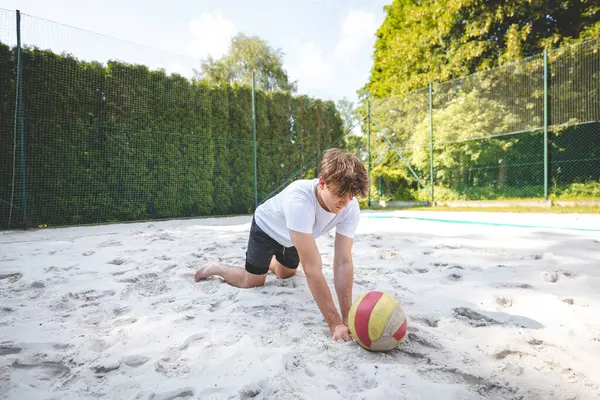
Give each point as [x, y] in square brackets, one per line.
[120, 142]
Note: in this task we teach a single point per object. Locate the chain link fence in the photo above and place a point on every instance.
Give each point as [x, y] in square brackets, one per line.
[527, 130]
[94, 130]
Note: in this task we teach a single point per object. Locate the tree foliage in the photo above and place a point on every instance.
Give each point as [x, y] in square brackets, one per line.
[247, 54]
[121, 142]
[485, 66]
[432, 41]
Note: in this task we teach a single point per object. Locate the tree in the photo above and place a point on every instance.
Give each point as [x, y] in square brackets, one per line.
[347, 113]
[354, 141]
[247, 54]
[432, 41]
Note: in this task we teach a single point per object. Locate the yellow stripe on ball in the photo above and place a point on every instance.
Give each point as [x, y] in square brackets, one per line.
[381, 315]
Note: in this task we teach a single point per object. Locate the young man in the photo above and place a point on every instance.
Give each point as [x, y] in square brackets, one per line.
[285, 227]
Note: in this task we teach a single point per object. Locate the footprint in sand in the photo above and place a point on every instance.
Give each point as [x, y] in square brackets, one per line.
[505, 353]
[44, 370]
[11, 276]
[210, 286]
[415, 338]
[170, 267]
[455, 277]
[7, 349]
[173, 353]
[194, 338]
[164, 236]
[134, 279]
[135, 361]
[120, 310]
[145, 285]
[111, 243]
[387, 254]
[504, 301]
[249, 392]
[124, 321]
[173, 394]
[62, 346]
[493, 389]
[518, 285]
[294, 362]
[568, 274]
[90, 295]
[551, 277]
[403, 351]
[106, 367]
[429, 321]
[117, 261]
[448, 246]
[474, 318]
[535, 342]
[215, 306]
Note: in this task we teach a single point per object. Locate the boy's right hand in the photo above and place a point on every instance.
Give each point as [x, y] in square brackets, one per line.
[341, 332]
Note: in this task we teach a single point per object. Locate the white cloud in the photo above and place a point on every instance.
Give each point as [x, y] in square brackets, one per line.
[211, 35]
[358, 30]
[308, 65]
[178, 68]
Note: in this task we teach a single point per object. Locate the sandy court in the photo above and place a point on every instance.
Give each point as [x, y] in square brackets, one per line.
[495, 311]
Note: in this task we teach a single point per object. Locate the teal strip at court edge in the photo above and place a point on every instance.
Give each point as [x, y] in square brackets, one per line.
[456, 221]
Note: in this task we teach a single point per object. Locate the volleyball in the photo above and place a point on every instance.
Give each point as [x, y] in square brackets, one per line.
[377, 321]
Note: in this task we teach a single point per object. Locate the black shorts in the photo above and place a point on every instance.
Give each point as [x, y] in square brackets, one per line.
[262, 247]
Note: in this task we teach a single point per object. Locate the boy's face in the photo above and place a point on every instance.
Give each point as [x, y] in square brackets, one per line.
[334, 202]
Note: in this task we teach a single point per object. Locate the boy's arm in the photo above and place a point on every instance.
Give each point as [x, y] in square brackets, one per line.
[343, 273]
[312, 265]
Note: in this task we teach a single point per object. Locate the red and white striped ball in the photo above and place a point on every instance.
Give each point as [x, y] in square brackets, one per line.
[377, 321]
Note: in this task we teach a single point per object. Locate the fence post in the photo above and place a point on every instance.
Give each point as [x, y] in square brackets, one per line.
[546, 124]
[431, 140]
[19, 126]
[21, 123]
[254, 141]
[369, 146]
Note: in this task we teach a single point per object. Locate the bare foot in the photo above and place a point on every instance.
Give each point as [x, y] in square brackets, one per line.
[205, 271]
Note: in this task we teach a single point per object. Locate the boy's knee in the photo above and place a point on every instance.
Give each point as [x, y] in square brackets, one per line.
[284, 273]
[251, 280]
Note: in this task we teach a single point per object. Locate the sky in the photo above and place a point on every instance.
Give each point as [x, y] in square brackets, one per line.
[327, 44]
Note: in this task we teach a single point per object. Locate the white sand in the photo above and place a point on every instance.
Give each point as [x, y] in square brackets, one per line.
[113, 312]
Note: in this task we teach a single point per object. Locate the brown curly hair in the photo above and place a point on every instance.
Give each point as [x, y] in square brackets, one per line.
[344, 172]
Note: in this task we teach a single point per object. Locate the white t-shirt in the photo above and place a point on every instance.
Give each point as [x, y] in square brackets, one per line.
[297, 208]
